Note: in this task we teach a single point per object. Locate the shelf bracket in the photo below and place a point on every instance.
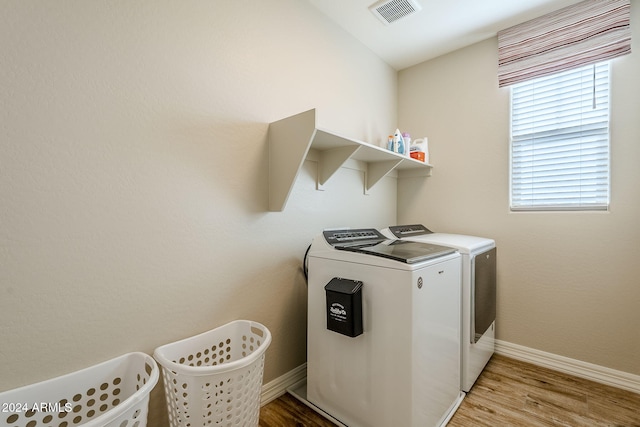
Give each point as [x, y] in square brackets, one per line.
[378, 170]
[289, 143]
[332, 160]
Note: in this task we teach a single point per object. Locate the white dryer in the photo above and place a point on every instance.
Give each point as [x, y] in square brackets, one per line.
[383, 350]
[478, 293]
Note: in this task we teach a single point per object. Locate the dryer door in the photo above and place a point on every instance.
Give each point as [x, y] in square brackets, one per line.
[483, 293]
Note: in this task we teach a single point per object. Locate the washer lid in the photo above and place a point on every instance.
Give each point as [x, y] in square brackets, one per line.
[401, 250]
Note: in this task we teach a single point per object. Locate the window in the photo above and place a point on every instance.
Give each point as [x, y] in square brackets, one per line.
[560, 141]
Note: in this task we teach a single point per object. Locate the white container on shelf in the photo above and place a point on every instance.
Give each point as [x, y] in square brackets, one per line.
[421, 145]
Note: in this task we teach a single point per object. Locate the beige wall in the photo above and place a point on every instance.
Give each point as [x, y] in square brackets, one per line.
[133, 168]
[568, 283]
[133, 163]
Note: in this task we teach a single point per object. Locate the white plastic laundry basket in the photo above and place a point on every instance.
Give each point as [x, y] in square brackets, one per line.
[114, 393]
[215, 378]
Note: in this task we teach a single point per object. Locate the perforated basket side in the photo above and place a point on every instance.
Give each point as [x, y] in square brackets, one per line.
[225, 399]
[215, 378]
[231, 346]
[91, 397]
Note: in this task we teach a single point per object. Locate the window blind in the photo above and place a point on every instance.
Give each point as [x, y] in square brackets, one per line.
[584, 33]
[560, 141]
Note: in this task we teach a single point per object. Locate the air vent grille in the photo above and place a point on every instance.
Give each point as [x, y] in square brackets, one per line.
[389, 11]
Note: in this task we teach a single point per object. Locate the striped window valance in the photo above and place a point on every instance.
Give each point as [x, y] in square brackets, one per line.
[585, 33]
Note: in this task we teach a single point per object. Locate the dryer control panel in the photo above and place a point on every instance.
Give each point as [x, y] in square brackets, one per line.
[402, 231]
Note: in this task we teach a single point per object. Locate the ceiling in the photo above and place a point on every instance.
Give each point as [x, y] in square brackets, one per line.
[441, 26]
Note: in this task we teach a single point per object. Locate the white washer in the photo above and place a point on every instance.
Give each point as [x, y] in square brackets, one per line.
[404, 368]
[478, 293]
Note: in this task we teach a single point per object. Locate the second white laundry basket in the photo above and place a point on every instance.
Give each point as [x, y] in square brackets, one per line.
[215, 378]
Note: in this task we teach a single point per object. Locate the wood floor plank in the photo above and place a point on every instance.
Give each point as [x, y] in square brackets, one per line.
[514, 393]
[288, 411]
[507, 393]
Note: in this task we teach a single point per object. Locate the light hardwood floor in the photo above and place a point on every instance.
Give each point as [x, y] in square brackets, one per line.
[507, 393]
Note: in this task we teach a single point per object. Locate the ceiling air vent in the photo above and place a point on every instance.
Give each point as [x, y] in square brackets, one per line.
[389, 11]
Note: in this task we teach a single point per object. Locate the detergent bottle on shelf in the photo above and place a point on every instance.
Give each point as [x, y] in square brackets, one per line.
[398, 142]
[420, 149]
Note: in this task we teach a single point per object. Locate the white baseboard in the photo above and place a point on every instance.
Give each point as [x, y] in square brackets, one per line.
[569, 366]
[276, 388]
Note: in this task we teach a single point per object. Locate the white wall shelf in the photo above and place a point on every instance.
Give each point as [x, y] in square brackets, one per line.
[292, 138]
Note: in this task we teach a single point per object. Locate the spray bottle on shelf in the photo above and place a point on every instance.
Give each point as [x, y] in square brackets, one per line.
[398, 142]
[407, 143]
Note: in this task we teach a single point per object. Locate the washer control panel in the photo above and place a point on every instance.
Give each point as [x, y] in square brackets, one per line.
[353, 237]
